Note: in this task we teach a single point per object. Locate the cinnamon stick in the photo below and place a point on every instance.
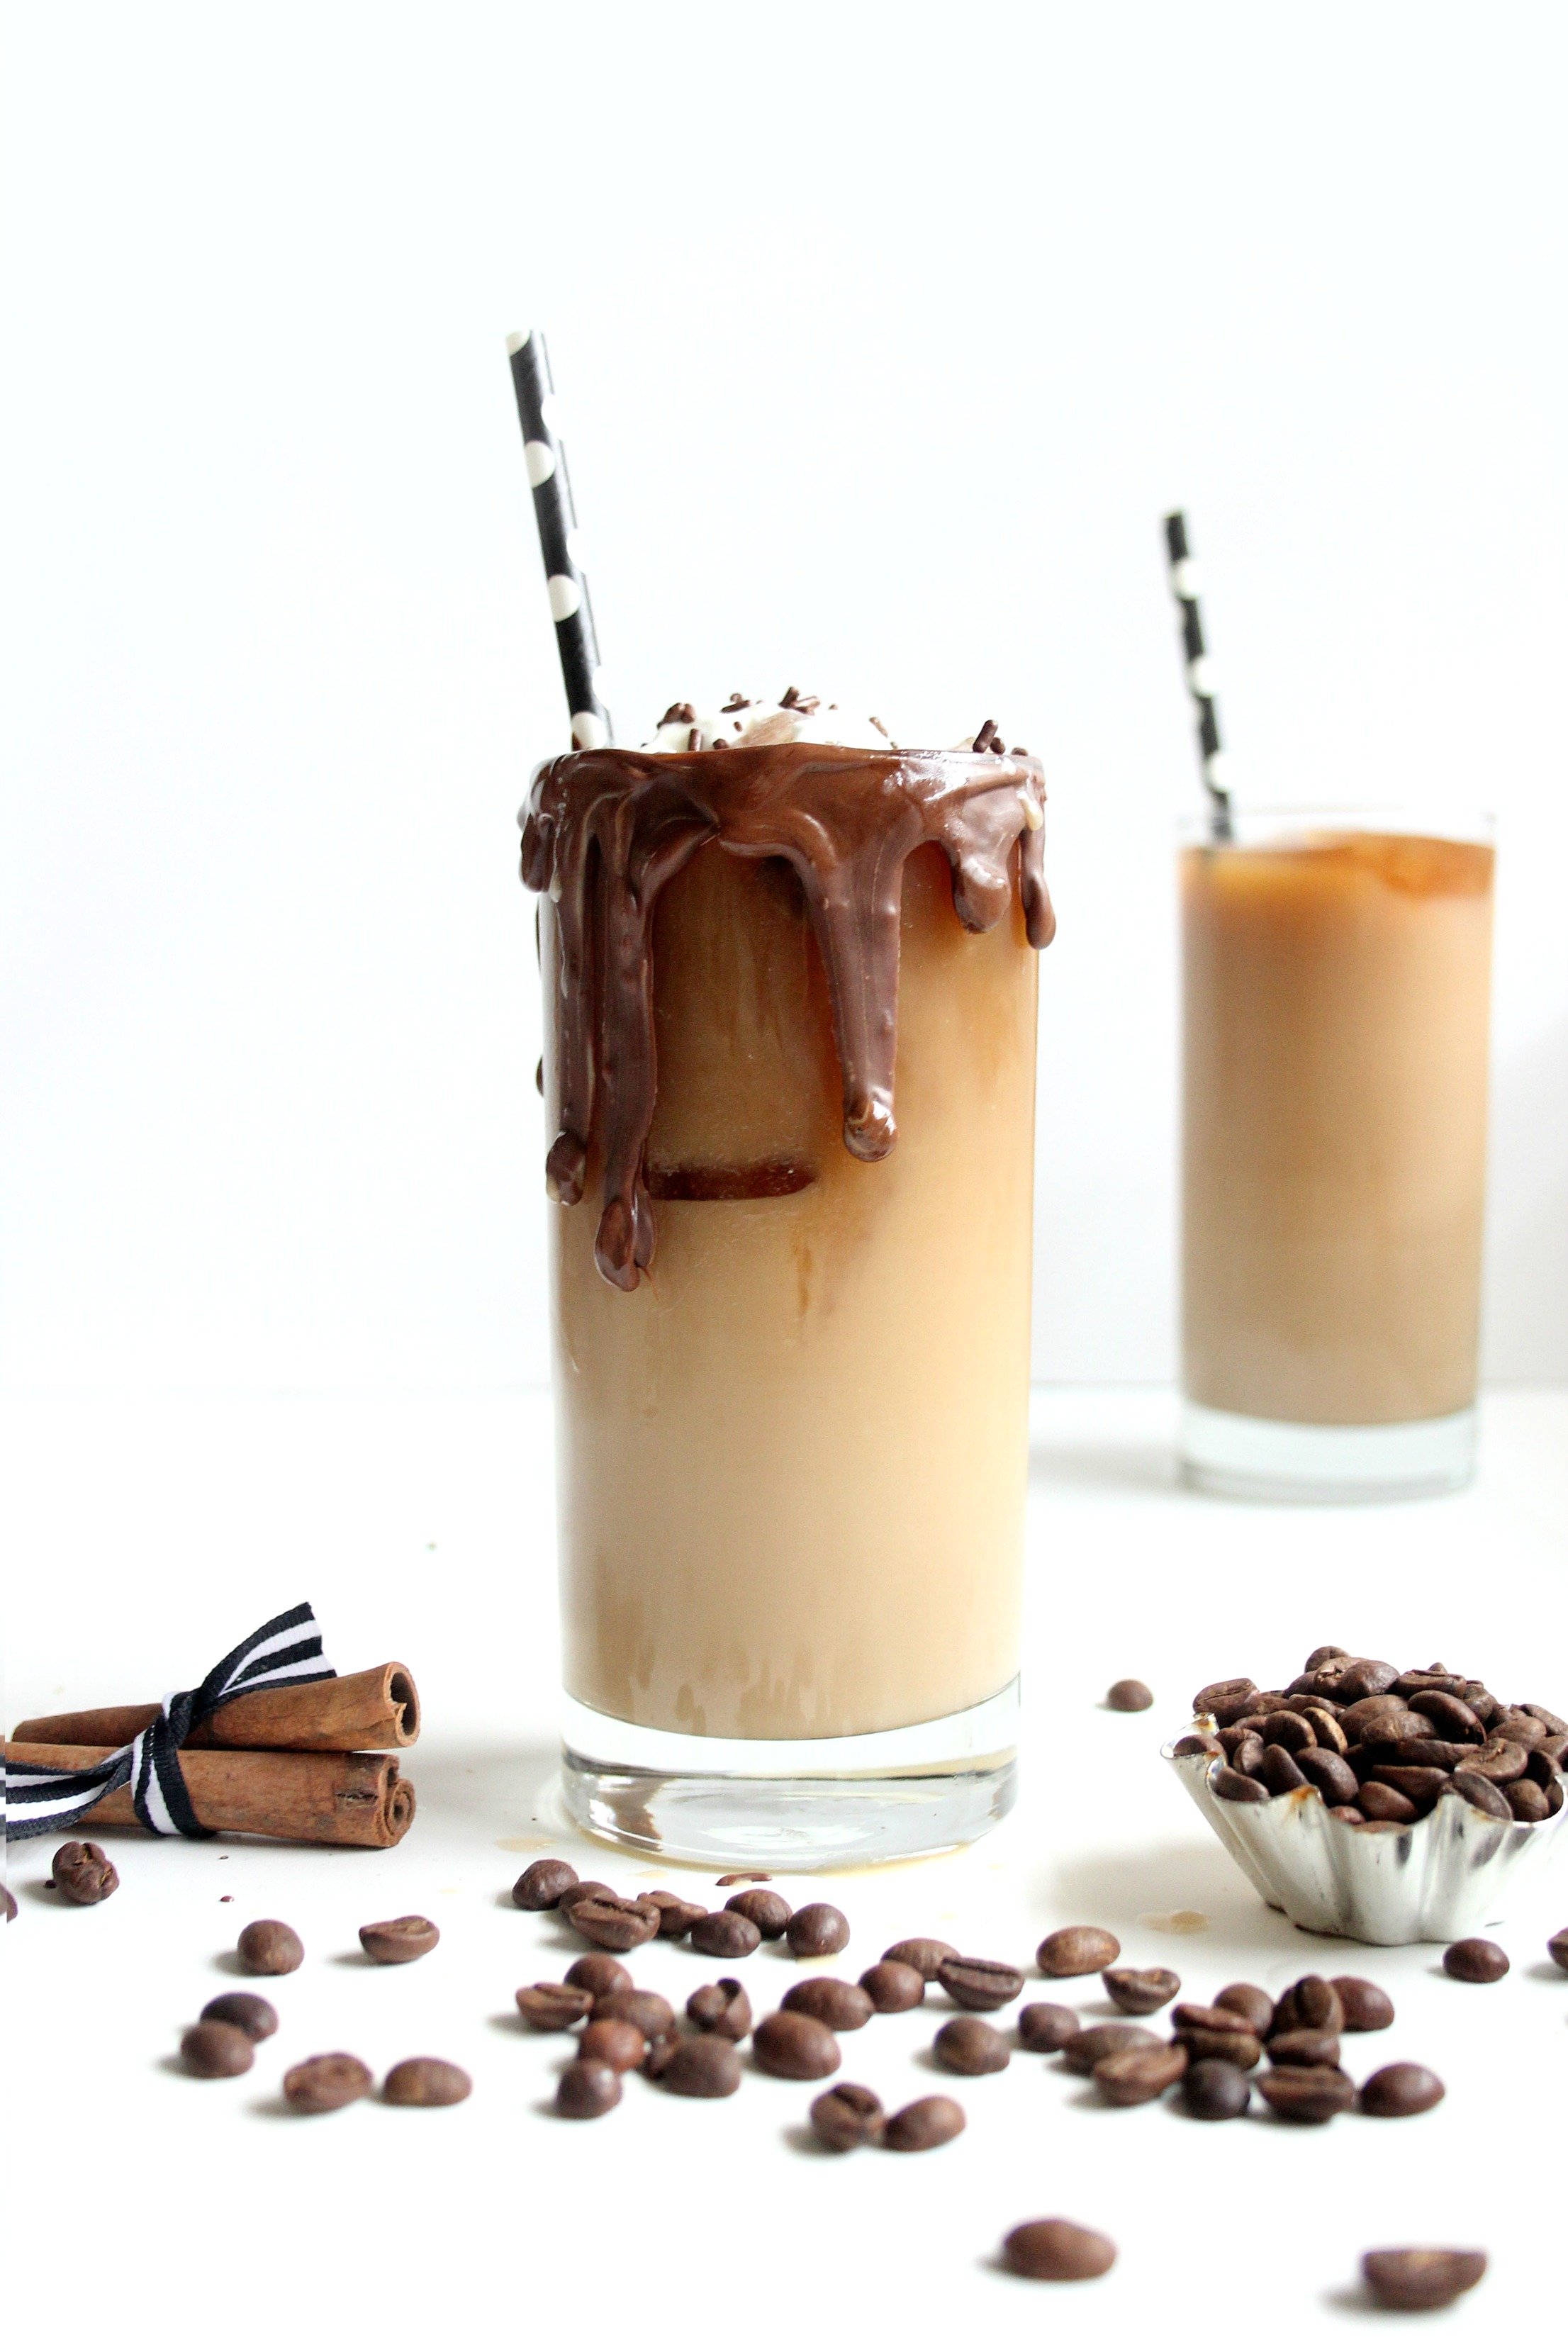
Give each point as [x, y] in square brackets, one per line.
[378, 1708]
[320, 1799]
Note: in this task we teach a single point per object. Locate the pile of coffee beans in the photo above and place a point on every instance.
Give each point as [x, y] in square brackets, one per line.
[1380, 1746]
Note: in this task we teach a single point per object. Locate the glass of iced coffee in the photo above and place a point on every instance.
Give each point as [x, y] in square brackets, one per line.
[1336, 984]
[789, 1066]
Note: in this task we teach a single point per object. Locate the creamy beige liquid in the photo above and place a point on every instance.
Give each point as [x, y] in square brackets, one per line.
[1336, 1017]
[793, 1459]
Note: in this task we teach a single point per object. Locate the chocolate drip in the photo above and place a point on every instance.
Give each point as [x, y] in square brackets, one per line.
[605, 831]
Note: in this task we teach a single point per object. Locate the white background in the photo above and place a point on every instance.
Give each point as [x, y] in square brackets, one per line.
[885, 336]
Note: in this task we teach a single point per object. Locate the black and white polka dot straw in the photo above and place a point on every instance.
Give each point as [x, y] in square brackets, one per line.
[1200, 672]
[557, 521]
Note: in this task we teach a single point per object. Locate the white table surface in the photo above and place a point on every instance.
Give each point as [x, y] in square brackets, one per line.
[141, 1540]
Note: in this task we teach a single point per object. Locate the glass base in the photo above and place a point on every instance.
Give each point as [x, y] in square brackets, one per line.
[1308, 1462]
[793, 1804]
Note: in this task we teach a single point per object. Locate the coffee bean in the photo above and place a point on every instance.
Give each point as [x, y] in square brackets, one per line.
[703, 2066]
[843, 2008]
[213, 2049]
[1214, 2091]
[1330, 1774]
[1247, 1754]
[1382, 1804]
[1325, 1731]
[925, 1953]
[817, 1931]
[316, 2085]
[676, 1916]
[1321, 1657]
[1394, 1731]
[426, 2082]
[745, 1878]
[552, 2008]
[893, 1986]
[1516, 1730]
[648, 2011]
[83, 1872]
[587, 2088]
[1197, 1743]
[1305, 2045]
[1400, 2090]
[800, 2048]
[1558, 1947]
[1234, 2049]
[7, 1905]
[1422, 1783]
[597, 1974]
[661, 2049]
[923, 2124]
[1128, 1697]
[1252, 2004]
[614, 2042]
[1307, 2095]
[570, 1896]
[543, 1884]
[268, 1948]
[391, 1942]
[848, 2116]
[1353, 1815]
[1288, 1730]
[1421, 2278]
[246, 2009]
[1474, 1960]
[1131, 2078]
[617, 1922]
[979, 1984]
[1057, 2250]
[1141, 1991]
[1226, 1702]
[1077, 1952]
[725, 1935]
[1450, 1718]
[1046, 2025]
[1498, 1761]
[1541, 1768]
[768, 1912]
[1237, 1787]
[1482, 1795]
[1309, 2001]
[1349, 1679]
[1367, 2007]
[1543, 1715]
[1082, 2052]
[967, 2045]
[722, 2008]
[1526, 1801]
[1279, 1771]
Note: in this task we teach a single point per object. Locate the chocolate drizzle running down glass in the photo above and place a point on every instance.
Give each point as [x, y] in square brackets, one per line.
[604, 834]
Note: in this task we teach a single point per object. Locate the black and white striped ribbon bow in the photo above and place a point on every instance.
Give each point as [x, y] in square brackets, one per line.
[42, 1797]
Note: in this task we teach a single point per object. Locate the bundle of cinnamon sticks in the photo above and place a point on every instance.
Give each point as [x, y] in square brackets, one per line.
[297, 1762]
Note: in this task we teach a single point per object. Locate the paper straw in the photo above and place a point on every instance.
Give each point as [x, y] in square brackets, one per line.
[1200, 673]
[557, 521]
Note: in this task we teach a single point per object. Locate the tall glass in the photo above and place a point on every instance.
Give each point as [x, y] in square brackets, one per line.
[1337, 975]
[793, 1458]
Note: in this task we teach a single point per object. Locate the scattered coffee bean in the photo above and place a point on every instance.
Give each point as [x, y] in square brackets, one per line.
[848, 2116]
[426, 2082]
[843, 2008]
[213, 2049]
[767, 1911]
[817, 1931]
[1128, 1697]
[893, 1986]
[676, 1916]
[617, 1922]
[319, 2084]
[1046, 2025]
[1141, 1991]
[979, 1984]
[246, 2009]
[1226, 1702]
[1307, 2095]
[967, 2045]
[703, 2066]
[1558, 1947]
[597, 1974]
[1321, 1657]
[925, 2123]
[1304, 2045]
[745, 1878]
[1251, 2002]
[614, 2042]
[1237, 1787]
[648, 2011]
[1367, 2008]
[1421, 2278]
[1482, 1795]
[661, 2049]
[1131, 2078]
[7, 1905]
[1077, 1952]
[1311, 2001]
[391, 1942]
[552, 2008]
[268, 1948]
[1082, 2052]
[1474, 1960]
[1215, 2034]
[1400, 2090]
[587, 2088]
[1214, 2091]
[722, 2008]
[83, 1872]
[925, 1953]
[1057, 2250]
[570, 1896]
[798, 2047]
[543, 1884]
[725, 1935]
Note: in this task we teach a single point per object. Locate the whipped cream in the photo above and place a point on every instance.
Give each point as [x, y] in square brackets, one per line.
[795, 718]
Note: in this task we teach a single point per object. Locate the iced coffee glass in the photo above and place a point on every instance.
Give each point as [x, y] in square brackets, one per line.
[1336, 984]
[790, 1067]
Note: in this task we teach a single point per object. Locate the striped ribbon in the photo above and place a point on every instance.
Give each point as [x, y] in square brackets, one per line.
[42, 1800]
[557, 518]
